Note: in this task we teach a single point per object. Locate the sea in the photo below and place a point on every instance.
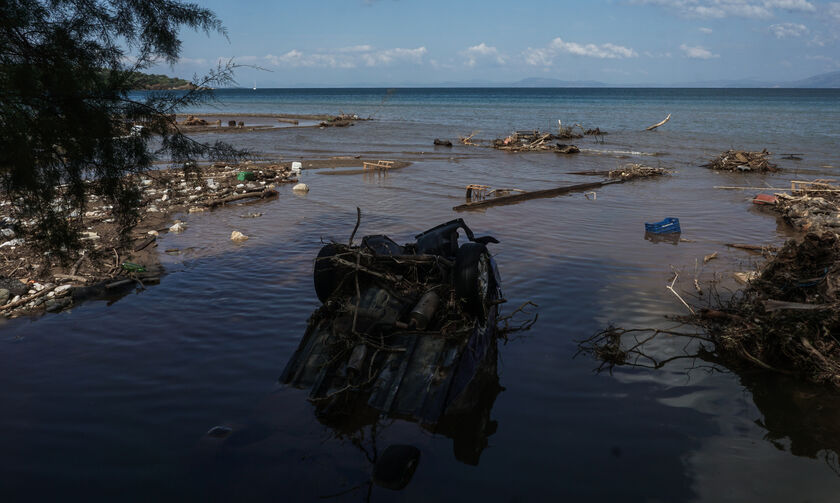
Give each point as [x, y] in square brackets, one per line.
[113, 399]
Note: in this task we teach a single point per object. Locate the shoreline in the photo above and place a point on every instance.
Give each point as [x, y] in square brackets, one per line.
[103, 268]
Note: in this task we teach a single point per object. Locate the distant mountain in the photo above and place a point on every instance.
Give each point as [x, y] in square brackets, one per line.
[727, 84]
[544, 82]
[823, 81]
[829, 80]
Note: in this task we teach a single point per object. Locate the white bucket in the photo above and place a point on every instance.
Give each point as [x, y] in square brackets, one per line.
[296, 166]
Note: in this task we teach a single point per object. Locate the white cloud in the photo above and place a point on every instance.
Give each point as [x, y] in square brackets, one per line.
[760, 9]
[482, 51]
[785, 30]
[192, 61]
[545, 56]
[342, 57]
[834, 10]
[697, 52]
[705, 30]
[388, 56]
[355, 48]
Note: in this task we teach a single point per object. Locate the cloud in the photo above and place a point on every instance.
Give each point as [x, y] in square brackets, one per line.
[544, 56]
[834, 10]
[759, 9]
[376, 58]
[192, 61]
[697, 52]
[482, 51]
[355, 48]
[342, 57]
[705, 30]
[830, 63]
[785, 30]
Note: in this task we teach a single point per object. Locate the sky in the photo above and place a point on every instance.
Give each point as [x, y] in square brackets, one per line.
[334, 43]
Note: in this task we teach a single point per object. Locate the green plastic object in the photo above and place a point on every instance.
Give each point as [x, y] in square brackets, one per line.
[132, 267]
[245, 175]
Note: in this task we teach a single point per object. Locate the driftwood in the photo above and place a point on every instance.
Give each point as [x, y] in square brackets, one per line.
[758, 248]
[663, 121]
[261, 194]
[143, 244]
[778, 305]
[536, 194]
[466, 139]
[71, 277]
[289, 121]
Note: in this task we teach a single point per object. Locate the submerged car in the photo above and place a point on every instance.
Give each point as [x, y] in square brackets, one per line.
[406, 331]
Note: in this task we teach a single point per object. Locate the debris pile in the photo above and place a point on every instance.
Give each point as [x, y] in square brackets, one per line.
[740, 160]
[104, 261]
[341, 120]
[787, 317]
[632, 170]
[568, 132]
[813, 206]
[533, 141]
[192, 120]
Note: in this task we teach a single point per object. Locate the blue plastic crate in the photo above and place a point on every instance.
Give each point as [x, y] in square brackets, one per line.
[667, 226]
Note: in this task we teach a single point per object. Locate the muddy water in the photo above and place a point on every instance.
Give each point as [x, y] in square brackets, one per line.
[111, 401]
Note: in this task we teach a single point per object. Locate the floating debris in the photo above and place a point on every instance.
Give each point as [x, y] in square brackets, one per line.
[741, 160]
[631, 171]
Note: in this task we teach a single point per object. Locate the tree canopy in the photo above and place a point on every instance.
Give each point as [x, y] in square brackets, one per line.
[67, 69]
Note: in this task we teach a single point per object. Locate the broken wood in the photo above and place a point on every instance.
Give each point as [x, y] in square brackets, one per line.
[261, 194]
[725, 187]
[378, 165]
[758, 248]
[71, 277]
[536, 194]
[466, 139]
[710, 257]
[143, 244]
[663, 121]
[778, 305]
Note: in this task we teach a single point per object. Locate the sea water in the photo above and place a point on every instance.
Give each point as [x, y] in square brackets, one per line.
[112, 400]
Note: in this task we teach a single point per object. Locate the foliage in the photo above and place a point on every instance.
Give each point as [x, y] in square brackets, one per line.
[155, 81]
[66, 109]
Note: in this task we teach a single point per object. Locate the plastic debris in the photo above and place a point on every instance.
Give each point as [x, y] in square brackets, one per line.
[178, 226]
[132, 267]
[668, 226]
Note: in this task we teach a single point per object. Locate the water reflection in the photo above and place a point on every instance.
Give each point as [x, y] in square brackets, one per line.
[797, 416]
[235, 454]
[801, 418]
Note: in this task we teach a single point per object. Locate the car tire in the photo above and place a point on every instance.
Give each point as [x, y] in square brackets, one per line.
[325, 273]
[473, 278]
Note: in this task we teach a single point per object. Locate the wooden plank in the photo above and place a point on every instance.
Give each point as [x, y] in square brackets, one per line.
[536, 194]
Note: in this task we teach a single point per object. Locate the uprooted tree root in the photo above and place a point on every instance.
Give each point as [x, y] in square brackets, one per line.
[785, 320]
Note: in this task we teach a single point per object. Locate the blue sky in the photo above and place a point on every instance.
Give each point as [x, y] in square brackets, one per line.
[399, 42]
